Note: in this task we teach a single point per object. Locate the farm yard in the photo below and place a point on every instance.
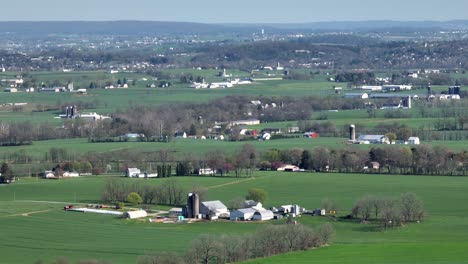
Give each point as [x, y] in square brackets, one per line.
[32, 210]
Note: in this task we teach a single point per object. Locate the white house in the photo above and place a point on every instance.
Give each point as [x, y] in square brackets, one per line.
[413, 141]
[133, 172]
[263, 215]
[244, 214]
[213, 208]
[252, 204]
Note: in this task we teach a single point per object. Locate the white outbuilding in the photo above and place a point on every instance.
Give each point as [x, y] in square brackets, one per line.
[263, 215]
[244, 214]
[135, 214]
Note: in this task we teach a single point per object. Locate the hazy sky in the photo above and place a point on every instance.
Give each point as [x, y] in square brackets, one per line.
[250, 11]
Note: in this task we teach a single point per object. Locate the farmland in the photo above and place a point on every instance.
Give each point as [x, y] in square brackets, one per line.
[39, 229]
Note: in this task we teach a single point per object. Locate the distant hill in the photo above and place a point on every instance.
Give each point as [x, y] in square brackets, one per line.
[367, 25]
[108, 28]
[42, 28]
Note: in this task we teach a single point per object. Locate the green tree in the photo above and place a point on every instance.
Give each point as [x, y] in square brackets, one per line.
[134, 198]
[6, 173]
[258, 195]
[306, 160]
[391, 136]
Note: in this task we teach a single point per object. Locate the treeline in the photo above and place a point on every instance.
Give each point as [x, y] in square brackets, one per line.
[168, 193]
[266, 242]
[391, 159]
[389, 212]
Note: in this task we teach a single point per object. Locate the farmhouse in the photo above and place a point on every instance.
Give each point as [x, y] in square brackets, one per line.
[213, 209]
[413, 141]
[252, 204]
[244, 214]
[133, 172]
[263, 215]
[373, 139]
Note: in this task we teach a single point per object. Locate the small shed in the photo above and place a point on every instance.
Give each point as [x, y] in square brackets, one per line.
[135, 214]
[263, 215]
[244, 214]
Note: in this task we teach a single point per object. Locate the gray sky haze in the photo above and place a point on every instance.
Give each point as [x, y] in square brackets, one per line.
[238, 11]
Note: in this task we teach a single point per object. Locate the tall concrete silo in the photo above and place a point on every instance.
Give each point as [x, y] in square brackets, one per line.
[352, 132]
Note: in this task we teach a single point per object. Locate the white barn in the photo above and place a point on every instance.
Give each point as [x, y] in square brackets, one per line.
[263, 215]
[244, 214]
[133, 172]
[373, 139]
[213, 208]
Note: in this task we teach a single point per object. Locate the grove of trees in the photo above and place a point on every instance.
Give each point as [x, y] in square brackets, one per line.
[265, 242]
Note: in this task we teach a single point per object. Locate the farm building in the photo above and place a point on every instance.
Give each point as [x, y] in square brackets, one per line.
[213, 208]
[289, 167]
[10, 90]
[373, 139]
[374, 165]
[248, 122]
[175, 211]
[263, 215]
[52, 175]
[180, 135]
[135, 214]
[206, 171]
[243, 214]
[413, 141]
[133, 172]
[311, 135]
[357, 95]
[150, 175]
[252, 204]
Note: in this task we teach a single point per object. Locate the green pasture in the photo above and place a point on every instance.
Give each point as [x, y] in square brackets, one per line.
[39, 229]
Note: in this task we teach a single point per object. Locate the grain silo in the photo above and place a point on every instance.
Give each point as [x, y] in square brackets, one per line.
[352, 132]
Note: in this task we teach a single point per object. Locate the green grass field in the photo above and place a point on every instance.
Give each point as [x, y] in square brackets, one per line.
[35, 227]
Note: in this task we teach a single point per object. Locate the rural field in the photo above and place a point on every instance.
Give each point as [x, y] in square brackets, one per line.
[36, 227]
